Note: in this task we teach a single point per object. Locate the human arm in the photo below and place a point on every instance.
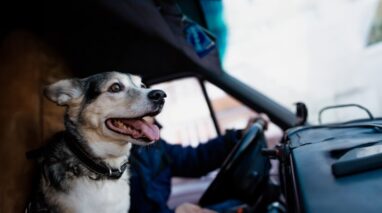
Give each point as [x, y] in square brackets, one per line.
[196, 162]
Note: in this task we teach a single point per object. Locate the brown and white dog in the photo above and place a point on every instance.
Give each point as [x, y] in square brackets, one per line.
[84, 169]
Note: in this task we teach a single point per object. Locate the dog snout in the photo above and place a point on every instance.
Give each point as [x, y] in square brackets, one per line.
[157, 96]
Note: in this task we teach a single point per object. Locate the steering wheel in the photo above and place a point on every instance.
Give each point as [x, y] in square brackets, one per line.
[243, 172]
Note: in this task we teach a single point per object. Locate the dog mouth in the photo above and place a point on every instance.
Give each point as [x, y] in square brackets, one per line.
[137, 128]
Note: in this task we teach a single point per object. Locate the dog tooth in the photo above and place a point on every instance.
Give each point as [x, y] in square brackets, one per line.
[119, 124]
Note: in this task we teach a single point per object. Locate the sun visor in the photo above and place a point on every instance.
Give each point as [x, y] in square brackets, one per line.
[150, 38]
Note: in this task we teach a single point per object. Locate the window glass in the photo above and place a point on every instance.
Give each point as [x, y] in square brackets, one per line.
[314, 51]
[185, 117]
[232, 114]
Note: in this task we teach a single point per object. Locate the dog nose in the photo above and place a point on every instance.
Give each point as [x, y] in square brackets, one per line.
[157, 96]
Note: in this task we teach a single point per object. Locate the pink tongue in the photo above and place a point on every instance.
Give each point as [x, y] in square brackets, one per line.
[150, 131]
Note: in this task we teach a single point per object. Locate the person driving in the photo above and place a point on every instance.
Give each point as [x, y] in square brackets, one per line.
[153, 167]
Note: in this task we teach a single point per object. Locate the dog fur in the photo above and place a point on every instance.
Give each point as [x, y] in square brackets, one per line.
[66, 184]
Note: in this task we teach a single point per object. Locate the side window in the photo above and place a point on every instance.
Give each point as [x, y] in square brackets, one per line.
[185, 117]
[232, 114]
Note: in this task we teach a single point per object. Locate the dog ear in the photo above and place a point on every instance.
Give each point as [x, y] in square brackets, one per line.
[64, 92]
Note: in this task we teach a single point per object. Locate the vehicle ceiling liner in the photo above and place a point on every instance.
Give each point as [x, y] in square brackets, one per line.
[143, 37]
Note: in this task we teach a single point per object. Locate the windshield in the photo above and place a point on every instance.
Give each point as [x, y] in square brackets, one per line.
[320, 52]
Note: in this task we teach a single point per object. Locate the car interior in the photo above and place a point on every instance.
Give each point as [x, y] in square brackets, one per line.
[44, 41]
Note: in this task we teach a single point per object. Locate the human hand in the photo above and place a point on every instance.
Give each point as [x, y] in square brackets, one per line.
[255, 118]
[191, 208]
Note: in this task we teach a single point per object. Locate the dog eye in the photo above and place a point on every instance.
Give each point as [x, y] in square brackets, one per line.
[143, 85]
[116, 87]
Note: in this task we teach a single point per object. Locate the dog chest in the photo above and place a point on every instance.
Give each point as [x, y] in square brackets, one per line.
[88, 195]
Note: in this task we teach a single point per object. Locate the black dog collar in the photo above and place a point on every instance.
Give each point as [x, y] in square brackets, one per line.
[95, 165]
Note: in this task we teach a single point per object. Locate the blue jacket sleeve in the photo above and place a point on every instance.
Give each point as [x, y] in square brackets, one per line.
[196, 162]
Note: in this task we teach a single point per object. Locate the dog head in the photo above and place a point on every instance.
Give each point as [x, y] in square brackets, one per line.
[109, 107]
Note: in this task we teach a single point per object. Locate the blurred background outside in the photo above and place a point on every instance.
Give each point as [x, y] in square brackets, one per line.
[321, 52]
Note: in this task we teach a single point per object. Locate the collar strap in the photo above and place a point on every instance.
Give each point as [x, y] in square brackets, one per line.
[94, 165]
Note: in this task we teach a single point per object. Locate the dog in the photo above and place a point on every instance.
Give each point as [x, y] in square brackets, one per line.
[85, 168]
